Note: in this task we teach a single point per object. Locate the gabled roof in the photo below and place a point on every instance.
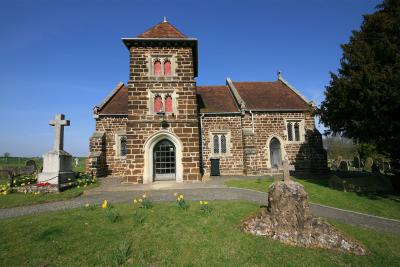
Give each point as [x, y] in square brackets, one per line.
[216, 99]
[270, 96]
[116, 103]
[162, 30]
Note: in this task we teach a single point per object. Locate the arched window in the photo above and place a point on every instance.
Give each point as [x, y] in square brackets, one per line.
[167, 68]
[290, 131]
[157, 104]
[223, 144]
[168, 104]
[296, 132]
[216, 144]
[123, 147]
[157, 68]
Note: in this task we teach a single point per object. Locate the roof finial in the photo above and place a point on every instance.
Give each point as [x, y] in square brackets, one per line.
[165, 19]
[279, 74]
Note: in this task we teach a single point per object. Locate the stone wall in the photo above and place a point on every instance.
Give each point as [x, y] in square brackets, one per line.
[111, 126]
[96, 161]
[142, 124]
[232, 162]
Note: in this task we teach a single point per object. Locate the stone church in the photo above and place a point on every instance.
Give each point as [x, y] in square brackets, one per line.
[162, 126]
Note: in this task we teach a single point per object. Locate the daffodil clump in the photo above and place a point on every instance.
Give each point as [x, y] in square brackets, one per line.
[204, 207]
[180, 201]
[5, 189]
[111, 214]
[24, 180]
[83, 180]
[144, 202]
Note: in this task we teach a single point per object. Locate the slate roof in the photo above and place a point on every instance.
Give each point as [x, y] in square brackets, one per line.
[216, 99]
[116, 102]
[270, 96]
[162, 30]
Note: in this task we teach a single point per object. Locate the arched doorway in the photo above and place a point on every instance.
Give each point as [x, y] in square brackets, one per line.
[275, 153]
[164, 161]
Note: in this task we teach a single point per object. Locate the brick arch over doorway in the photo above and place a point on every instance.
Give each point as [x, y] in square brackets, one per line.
[148, 155]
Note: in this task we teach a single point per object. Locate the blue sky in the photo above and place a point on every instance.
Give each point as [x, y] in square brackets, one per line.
[66, 56]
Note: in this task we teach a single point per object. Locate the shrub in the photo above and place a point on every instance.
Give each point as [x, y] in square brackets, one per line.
[83, 180]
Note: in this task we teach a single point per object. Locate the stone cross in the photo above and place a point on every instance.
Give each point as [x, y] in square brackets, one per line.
[286, 169]
[59, 122]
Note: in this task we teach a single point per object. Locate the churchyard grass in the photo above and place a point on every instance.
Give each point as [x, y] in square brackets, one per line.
[21, 199]
[378, 204]
[169, 237]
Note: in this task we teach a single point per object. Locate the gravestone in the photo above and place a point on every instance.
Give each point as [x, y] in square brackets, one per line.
[368, 164]
[343, 166]
[57, 168]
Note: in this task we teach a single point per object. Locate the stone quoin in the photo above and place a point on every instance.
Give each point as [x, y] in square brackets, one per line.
[162, 126]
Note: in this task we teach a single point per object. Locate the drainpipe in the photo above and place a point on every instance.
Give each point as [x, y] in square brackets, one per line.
[201, 138]
[252, 120]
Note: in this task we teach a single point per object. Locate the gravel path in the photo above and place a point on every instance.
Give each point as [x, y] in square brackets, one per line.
[195, 192]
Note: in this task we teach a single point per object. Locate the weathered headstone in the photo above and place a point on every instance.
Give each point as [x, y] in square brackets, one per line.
[57, 162]
[31, 163]
[368, 164]
[344, 166]
[288, 219]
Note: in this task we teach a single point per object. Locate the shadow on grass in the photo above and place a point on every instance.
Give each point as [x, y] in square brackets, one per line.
[359, 178]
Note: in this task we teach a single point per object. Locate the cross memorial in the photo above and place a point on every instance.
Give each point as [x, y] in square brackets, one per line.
[57, 167]
[286, 169]
[59, 122]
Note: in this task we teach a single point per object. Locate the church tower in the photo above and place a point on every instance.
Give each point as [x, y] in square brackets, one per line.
[162, 128]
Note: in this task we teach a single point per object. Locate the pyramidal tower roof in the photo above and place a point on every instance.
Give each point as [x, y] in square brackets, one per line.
[162, 30]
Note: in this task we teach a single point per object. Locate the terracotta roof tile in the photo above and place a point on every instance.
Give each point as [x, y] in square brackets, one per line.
[269, 96]
[117, 104]
[216, 99]
[162, 30]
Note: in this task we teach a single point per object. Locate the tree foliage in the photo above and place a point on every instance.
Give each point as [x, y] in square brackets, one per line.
[363, 100]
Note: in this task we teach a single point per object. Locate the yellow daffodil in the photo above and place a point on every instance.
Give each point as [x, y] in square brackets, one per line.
[87, 205]
[201, 202]
[104, 205]
[144, 195]
[140, 200]
[175, 194]
[135, 201]
[205, 203]
[181, 196]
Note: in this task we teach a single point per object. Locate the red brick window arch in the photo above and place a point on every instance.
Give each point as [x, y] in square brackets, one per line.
[157, 104]
[167, 68]
[157, 68]
[168, 104]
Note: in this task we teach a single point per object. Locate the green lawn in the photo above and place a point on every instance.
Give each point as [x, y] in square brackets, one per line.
[21, 199]
[384, 205]
[170, 237]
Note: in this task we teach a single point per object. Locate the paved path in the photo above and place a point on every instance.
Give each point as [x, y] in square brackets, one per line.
[116, 193]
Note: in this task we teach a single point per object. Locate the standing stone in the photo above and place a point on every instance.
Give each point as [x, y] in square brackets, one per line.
[57, 162]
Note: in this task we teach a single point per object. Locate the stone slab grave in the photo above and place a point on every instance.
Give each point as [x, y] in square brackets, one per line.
[57, 163]
[287, 219]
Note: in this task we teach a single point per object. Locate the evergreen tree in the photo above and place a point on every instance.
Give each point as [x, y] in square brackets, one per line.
[363, 98]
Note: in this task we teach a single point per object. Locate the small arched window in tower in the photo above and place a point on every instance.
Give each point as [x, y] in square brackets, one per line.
[123, 146]
[296, 132]
[167, 68]
[168, 104]
[157, 104]
[289, 131]
[157, 68]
